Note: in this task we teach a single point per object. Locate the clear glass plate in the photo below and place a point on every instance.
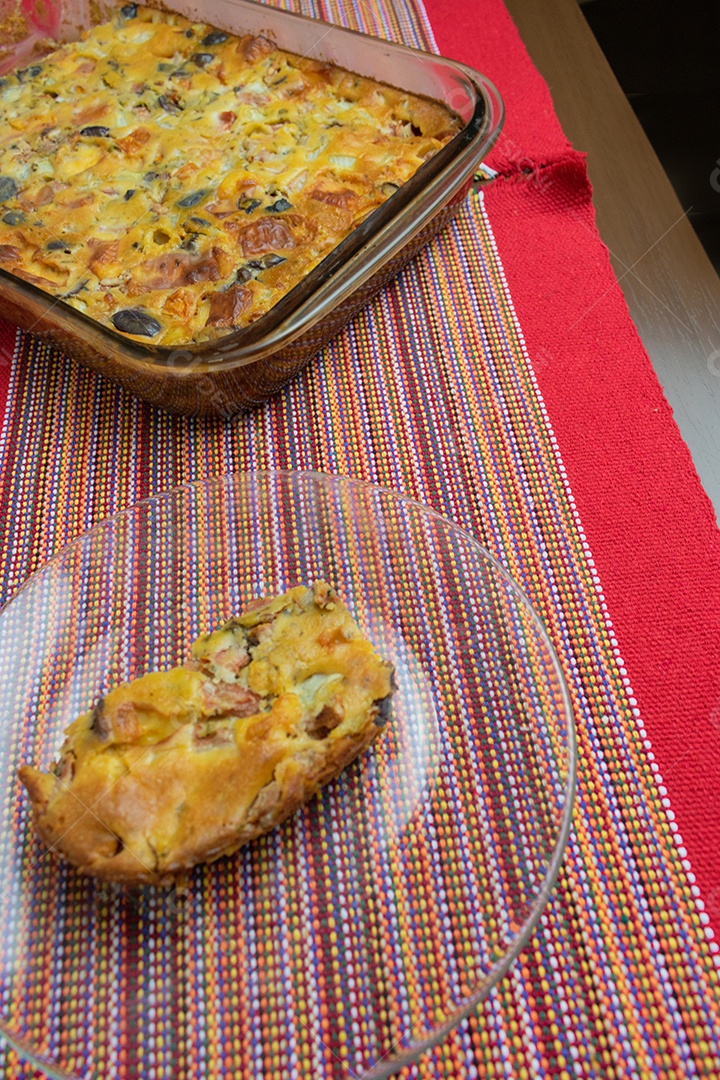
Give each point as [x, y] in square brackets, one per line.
[362, 930]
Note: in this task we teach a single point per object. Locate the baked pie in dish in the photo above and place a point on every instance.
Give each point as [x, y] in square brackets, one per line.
[173, 181]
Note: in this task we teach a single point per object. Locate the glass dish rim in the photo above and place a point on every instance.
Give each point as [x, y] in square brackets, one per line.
[382, 1069]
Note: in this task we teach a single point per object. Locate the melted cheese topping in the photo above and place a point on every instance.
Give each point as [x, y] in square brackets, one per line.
[174, 182]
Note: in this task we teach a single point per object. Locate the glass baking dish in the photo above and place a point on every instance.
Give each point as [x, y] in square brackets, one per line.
[245, 367]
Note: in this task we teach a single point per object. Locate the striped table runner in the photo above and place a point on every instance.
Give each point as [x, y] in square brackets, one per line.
[430, 391]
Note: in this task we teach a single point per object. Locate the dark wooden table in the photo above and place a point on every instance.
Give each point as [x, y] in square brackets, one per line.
[670, 285]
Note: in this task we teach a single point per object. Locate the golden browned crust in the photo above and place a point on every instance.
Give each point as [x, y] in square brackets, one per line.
[174, 182]
[184, 766]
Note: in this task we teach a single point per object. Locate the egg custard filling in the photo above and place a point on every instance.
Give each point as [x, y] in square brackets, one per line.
[182, 766]
[173, 181]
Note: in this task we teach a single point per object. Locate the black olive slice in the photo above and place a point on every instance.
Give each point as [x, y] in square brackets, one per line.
[170, 103]
[194, 199]
[389, 188]
[8, 188]
[29, 72]
[136, 321]
[264, 263]
[75, 289]
[247, 204]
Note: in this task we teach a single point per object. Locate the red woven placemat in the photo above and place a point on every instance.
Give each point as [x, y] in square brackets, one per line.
[649, 523]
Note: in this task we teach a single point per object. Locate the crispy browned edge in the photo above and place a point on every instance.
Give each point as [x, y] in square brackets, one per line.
[272, 806]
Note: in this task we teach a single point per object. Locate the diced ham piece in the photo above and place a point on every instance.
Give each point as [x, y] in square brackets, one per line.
[102, 254]
[262, 236]
[254, 48]
[230, 699]
[233, 659]
[227, 308]
[343, 198]
[176, 268]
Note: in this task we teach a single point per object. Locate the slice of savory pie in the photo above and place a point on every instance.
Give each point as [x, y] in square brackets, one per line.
[183, 766]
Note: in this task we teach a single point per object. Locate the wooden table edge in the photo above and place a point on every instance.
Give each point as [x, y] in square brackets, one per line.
[672, 290]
